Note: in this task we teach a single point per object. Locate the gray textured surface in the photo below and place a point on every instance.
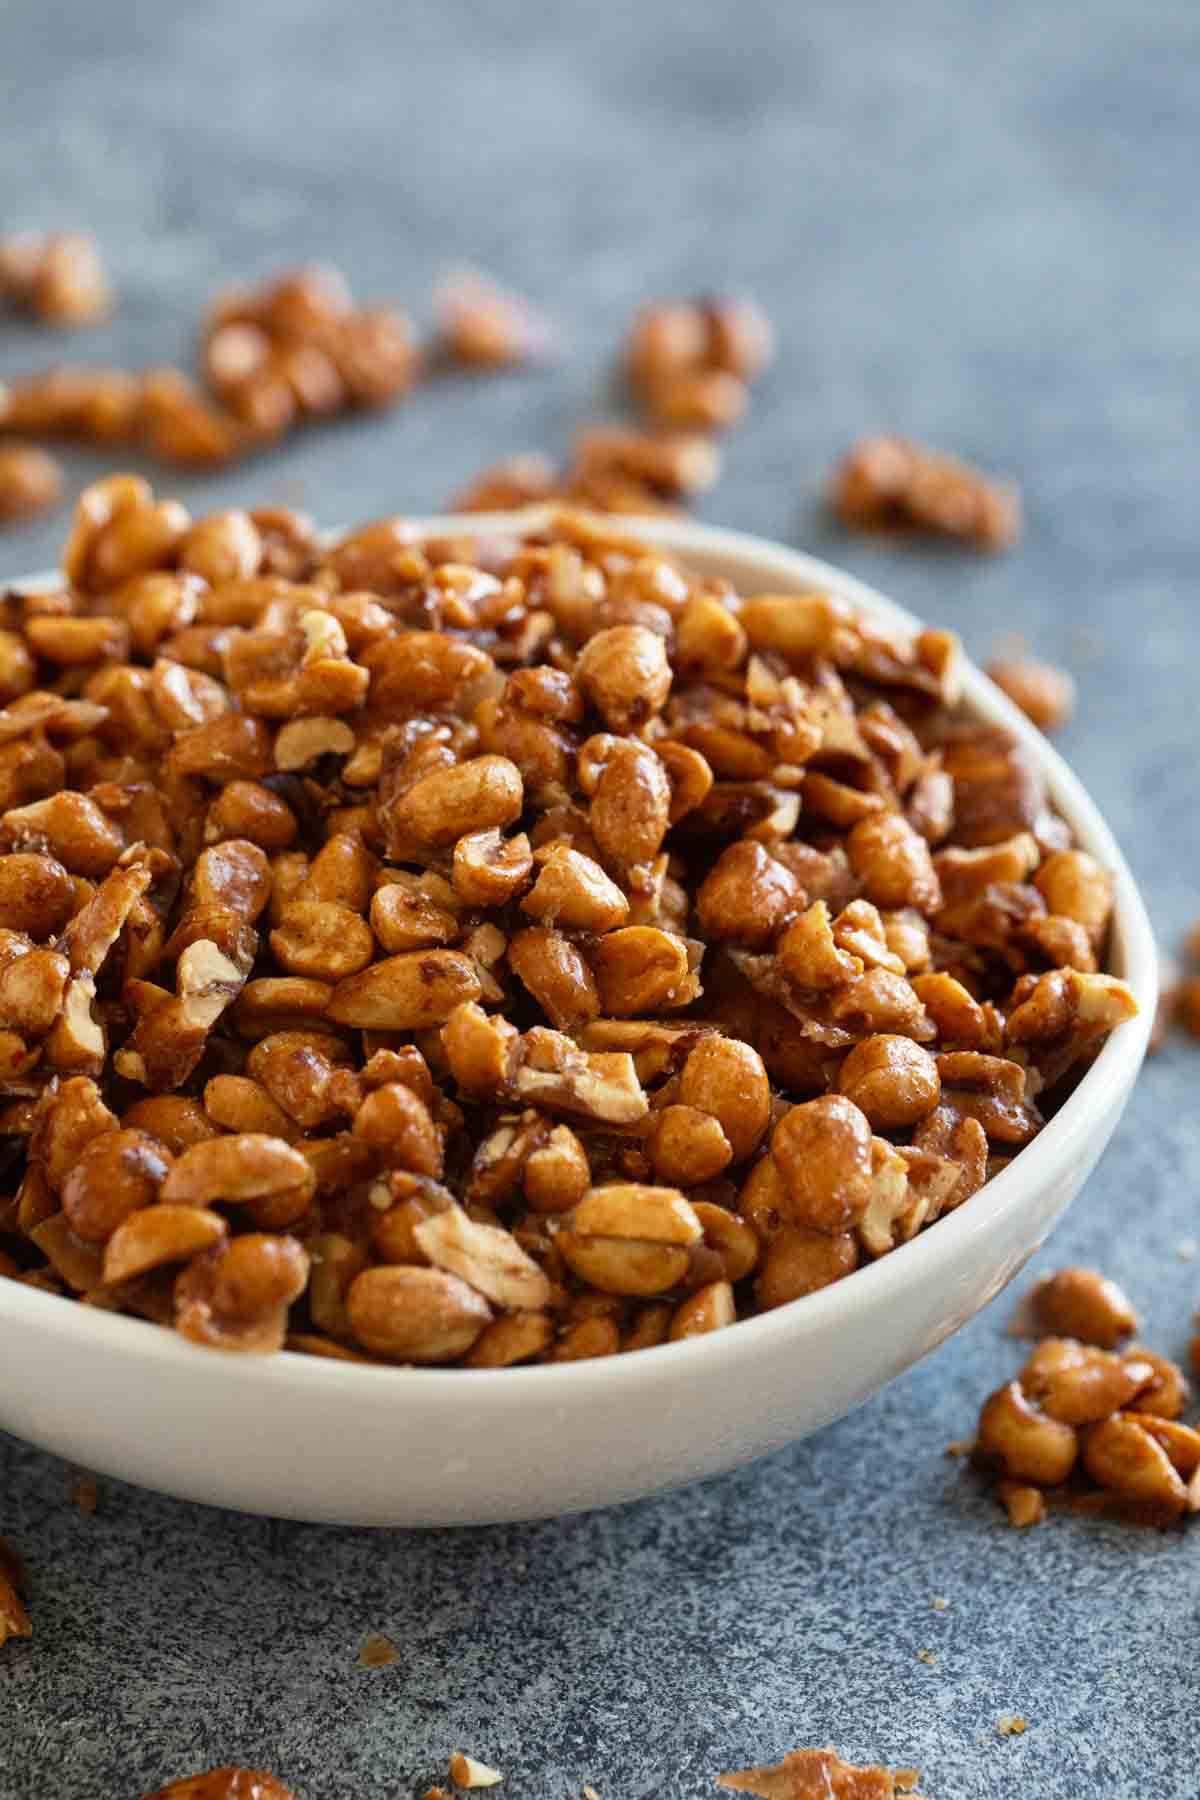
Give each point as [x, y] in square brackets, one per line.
[977, 222]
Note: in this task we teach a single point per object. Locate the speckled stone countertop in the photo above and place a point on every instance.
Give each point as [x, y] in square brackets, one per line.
[974, 222]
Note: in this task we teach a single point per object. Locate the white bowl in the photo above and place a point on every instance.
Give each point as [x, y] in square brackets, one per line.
[299, 1437]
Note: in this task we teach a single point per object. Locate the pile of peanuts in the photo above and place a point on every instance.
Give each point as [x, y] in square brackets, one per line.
[1082, 1411]
[501, 951]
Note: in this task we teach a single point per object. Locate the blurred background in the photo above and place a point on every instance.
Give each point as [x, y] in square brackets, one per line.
[976, 224]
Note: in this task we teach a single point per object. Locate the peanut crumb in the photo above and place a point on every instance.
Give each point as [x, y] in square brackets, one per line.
[589, 1792]
[1011, 1725]
[436, 1793]
[377, 1651]
[940, 1603]
[86, 1495]
[927, 1656]
[1186, 1250]
[1025, 1505]
[465, 1772]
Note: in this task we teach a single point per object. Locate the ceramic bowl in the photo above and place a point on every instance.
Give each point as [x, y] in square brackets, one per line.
[299, 1437]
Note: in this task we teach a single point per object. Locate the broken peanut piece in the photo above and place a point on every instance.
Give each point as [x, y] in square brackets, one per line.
[465, 1772]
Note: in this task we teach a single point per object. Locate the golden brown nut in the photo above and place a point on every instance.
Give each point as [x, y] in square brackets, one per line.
[799, 1261]
[1045, 694]
[688, 1147]
[747, 896]
[115, 1175]
[415, 1315]
[1027, 1444]
[822, 1150]
[1123, 1455]
[1078, 1384]
[708, 1309]
[892, 1080]
[406, 992]
[1082, 1303]
[226, 1783]
[31, 480]
[626, 674]
[726, 1078]
[397, 1125]
[484, 326]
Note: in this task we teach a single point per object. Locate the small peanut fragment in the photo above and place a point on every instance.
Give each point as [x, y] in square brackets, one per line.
[31, 480]
[708, 1309]
[1025, 1505]
[1044, 694]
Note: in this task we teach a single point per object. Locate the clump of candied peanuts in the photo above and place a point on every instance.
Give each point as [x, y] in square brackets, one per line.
[1088, 1421]
[889, 483]
[504, 950]
[293, 349]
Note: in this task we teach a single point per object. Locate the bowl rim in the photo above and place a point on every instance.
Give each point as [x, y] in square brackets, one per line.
[931, 1256]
